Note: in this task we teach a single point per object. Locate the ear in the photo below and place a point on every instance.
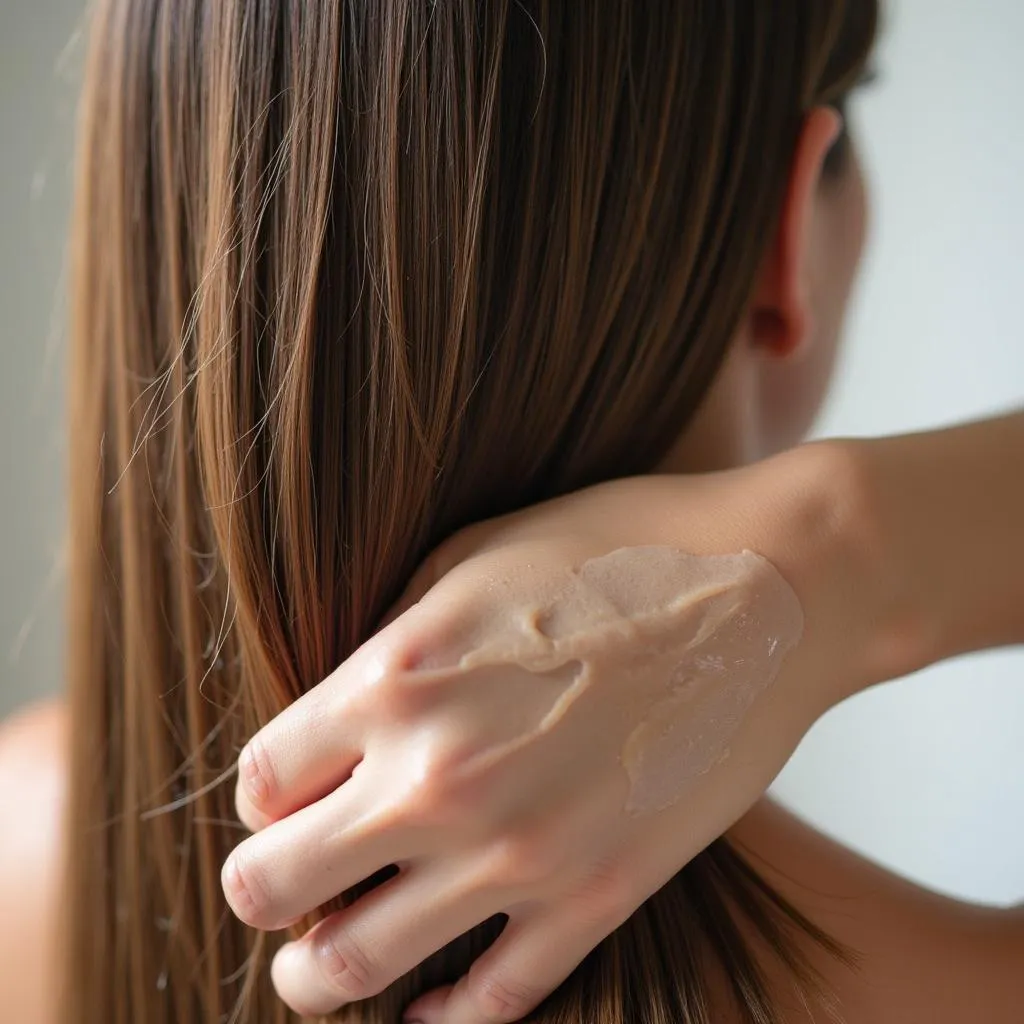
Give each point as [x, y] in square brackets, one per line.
[781, 317]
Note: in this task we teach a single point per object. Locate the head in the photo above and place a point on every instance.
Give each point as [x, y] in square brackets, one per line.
[349, 276]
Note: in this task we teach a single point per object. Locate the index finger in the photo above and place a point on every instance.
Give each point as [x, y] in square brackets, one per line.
[311, 747]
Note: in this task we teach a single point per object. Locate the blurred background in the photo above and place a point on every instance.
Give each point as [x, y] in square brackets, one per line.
[926, 775]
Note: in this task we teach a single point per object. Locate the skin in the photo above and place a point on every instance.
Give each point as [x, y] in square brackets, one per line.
[793, 321]
[32, 790]
[567, 888]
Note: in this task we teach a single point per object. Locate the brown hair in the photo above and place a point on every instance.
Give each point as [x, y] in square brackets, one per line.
[349, 274]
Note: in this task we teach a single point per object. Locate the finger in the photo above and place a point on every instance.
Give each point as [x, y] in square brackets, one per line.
[310, 748]
[428, 1007]
[359, 951]
[535, 953]
[330, 770]
[296, 864]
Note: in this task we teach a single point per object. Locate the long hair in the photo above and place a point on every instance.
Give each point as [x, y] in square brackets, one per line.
[347, 276]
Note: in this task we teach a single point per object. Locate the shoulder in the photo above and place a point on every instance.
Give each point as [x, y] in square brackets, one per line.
[33, 766]
[921, 956]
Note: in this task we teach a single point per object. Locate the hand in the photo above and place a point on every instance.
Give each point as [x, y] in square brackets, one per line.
[459, 745]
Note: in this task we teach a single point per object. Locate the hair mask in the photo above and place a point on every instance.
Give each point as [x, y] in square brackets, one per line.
[678, 646]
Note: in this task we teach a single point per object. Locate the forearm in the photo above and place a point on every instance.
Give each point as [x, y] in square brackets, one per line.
[949, 509]
[903, 550]
[910, 549]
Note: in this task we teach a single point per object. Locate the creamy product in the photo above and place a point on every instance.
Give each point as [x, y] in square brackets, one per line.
[677, 647]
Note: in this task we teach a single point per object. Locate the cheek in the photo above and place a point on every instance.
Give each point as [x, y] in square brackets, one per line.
[792, 390]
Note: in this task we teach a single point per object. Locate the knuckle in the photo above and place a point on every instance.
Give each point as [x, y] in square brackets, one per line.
[344, 966]
[608, 894]
[426, 793]
[385, 692]
[502, 999]
[520, 861]
[257, 773]
[423, 803]
[246, 889]
[430, 794]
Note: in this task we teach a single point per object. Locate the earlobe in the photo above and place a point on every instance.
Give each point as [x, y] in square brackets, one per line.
[781, 316]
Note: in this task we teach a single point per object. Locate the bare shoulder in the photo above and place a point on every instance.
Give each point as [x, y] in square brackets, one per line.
[33, 766]
[922, 956]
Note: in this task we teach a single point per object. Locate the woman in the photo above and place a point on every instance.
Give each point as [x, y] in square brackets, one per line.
[350, 277]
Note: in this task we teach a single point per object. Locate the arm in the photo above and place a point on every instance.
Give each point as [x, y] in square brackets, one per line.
[949, 509]
[861, 531]
[904, 550]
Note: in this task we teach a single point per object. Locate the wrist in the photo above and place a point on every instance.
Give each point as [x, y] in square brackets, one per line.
[862, 610]
[894, 601]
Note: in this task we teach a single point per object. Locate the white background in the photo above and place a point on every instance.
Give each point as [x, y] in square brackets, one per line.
[927, 775]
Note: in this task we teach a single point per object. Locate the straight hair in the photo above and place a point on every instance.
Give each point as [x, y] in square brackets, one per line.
[349, 275]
